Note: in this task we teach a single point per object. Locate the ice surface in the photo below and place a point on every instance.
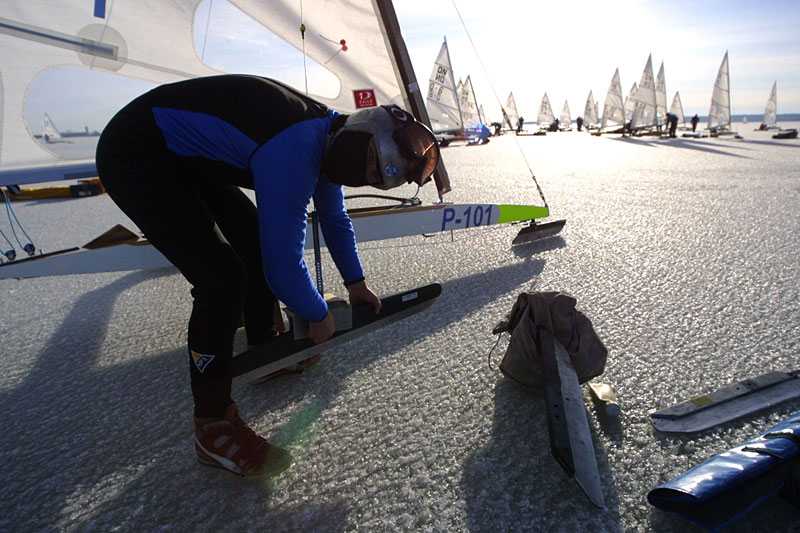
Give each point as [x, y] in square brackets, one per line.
[683, 252]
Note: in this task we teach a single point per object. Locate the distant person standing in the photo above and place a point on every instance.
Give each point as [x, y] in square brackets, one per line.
[519, 124]
[695, 120]
[672, 123]
[579, 120]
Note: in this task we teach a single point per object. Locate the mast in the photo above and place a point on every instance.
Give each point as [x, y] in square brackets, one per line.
[412, 97]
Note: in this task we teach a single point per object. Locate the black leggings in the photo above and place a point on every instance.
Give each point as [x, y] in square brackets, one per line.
[192, 212]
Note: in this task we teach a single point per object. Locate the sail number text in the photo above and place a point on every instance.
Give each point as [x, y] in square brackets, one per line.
[469, 217]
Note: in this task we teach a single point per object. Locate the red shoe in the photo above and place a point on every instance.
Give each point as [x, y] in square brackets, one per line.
[229, 443]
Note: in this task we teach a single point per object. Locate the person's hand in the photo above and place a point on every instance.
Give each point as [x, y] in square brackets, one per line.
[360, 293]
[322, 330]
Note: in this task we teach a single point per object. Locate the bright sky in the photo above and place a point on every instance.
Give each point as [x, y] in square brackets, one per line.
[564, 48]
[568, 48]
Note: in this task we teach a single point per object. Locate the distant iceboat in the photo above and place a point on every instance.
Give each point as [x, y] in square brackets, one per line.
[677, 109]
[590, 112]
[613, 120]
[50, 133]
[719, 115]
[442, 102]
[645, 109]
[565, 120]
[630, 103]
[545, 118]
[770, 121]
[510, 112]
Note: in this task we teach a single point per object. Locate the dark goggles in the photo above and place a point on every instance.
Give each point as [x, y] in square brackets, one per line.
[418, 145]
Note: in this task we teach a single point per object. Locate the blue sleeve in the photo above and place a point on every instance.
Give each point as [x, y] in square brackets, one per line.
[337, 229]
[285, 172]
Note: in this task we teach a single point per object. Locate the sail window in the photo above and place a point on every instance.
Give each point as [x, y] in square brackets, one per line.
[66, 108]
[229, 40]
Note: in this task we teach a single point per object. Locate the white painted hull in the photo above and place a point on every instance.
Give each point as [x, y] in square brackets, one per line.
[369, 224]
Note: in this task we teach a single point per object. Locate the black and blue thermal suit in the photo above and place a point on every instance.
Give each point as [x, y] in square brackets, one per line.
[174, 160]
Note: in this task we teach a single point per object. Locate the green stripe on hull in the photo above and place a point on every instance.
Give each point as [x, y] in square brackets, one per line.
[516, 213]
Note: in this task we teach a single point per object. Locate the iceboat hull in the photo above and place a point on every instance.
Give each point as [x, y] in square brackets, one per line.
[134, 252]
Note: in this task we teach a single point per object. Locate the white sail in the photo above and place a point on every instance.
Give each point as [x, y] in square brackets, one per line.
[565, 119]
[661, 95]
[677, 109]
[771, 111]
[482, 114]
[613, 107]
[469, 106]
[590, 111]
[153, 40]
[545, 116]
[443, 105]
[49, 131]
[644, 110]
[719, 115]
[630, 103]
[511, 112]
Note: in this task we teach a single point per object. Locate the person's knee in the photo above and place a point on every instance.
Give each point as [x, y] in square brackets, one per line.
[223, 287]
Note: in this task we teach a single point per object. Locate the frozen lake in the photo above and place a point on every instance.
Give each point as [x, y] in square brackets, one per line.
[684, 253]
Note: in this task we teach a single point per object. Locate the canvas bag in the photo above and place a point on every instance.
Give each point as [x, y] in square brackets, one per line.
[555, 311]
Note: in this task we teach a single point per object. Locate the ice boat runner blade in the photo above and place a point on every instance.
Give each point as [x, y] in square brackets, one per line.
[285, 351]
[728, 403]
[535, 232]
[579, 451]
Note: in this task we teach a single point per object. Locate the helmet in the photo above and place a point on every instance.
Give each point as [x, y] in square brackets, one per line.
[400, 149]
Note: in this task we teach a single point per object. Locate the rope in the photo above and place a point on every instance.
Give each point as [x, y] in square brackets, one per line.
[29, 247]
[205, 34]
[486, 73]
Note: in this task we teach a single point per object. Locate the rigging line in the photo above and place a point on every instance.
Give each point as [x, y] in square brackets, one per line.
[489, 79]
[10, 245]
[303, 38]
[205, 34]
[27, 247]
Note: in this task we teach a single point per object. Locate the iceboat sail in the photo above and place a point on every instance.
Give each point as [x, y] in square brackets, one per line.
[645, 101]
[153, 40]
[469, 105]
[771, 110]
[613, 107]
[444, 109]
[719, 114]
[630, 103]
[545, 116]
[677, 109]
[590, 111]
[565, 119]
[661, 96]
[510, 111]
[50, 133]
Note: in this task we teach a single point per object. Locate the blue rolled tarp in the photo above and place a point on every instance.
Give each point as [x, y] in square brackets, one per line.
[721, 490]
